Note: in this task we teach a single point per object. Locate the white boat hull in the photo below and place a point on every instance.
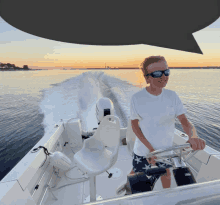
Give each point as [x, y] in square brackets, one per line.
[19, 185]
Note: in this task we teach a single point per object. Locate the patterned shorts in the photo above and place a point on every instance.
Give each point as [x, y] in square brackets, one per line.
[140, 164]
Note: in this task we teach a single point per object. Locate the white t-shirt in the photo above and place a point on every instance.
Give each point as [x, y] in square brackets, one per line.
[156, 115]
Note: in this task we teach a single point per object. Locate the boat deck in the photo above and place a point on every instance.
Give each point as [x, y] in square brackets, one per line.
[105, 187]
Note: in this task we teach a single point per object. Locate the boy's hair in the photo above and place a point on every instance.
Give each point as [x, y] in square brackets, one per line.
[150, 60]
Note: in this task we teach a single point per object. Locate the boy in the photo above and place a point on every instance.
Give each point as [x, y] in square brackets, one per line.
[153, 113]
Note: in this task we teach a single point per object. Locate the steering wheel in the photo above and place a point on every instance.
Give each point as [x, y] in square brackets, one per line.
[177, 159]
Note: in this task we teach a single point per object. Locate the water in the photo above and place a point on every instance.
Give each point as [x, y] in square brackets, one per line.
[32, 102]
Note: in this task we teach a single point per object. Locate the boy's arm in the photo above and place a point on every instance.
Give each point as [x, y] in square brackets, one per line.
[136, 129]
[196, 143]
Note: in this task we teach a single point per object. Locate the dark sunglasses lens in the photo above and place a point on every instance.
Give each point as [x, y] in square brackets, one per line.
[167, 72]
[157, 74]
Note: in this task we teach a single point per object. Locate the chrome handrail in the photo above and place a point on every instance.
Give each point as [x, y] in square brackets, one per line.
[184, 146]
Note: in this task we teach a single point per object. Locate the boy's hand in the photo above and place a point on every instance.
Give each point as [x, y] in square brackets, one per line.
[151, 160]
[197, 143]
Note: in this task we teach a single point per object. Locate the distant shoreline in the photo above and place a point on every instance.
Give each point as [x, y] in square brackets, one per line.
[190, 68]
[129, 68]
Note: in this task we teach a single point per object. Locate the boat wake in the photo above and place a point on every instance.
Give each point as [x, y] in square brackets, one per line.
[77, 97]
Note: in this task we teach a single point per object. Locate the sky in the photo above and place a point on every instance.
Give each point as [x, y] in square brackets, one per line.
[20, 48]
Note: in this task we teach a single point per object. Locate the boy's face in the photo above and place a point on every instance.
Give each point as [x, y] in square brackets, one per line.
[157, 82]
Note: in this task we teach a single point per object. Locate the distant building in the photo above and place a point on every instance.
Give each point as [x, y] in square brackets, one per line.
[25, 67]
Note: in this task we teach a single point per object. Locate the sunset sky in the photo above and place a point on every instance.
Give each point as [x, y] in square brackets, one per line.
[20, 48]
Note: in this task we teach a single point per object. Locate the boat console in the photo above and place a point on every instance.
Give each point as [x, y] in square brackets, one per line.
[183, 176]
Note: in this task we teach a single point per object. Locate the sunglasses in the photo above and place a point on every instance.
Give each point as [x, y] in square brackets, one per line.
[159, 73]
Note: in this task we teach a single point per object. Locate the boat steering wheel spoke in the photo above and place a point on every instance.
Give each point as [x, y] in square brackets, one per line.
[183, 155]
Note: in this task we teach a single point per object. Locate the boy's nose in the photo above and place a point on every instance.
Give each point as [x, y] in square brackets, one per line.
[163, 76]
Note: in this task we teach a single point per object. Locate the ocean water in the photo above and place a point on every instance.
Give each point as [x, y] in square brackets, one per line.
[32, 102]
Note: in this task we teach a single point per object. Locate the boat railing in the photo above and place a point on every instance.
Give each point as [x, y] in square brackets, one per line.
[180, 195]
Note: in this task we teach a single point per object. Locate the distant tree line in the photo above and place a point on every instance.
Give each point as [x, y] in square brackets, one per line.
[9, 66]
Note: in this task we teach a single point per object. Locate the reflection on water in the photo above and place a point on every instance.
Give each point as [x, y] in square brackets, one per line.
[30, 82]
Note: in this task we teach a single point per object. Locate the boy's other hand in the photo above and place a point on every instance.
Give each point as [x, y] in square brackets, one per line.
[151, 160]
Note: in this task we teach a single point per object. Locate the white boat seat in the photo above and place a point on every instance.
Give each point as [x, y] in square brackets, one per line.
[94, 159]
[130, 138]
[100, 155]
